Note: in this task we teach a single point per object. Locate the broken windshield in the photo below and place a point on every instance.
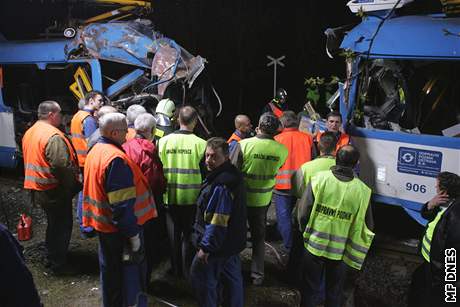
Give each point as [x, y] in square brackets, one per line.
[409, 96]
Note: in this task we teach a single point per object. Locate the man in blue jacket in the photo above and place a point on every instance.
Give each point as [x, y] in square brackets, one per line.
[220, 230]
[17, 288]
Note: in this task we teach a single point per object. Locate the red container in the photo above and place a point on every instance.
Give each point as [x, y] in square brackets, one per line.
[24, 228]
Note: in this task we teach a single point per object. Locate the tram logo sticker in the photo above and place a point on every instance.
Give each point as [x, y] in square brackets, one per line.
[419, 162]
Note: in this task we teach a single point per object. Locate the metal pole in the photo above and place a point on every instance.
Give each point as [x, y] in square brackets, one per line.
[274, 80]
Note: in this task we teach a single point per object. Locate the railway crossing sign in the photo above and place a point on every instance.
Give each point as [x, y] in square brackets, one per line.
[275, 63]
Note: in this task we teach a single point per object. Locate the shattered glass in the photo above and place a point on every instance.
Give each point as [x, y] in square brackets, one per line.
[410, 96]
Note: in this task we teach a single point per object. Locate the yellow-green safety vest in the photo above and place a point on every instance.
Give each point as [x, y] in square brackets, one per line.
[311, 168]
[181, 155]
[336, 228]
[261, 160]
[426, 242]
[159, 133]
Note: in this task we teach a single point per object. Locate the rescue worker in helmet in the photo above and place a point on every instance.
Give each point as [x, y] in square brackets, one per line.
[278, 104]
[164, 114]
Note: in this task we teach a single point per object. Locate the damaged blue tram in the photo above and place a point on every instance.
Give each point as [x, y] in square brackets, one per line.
[127, 60]
[401, 103]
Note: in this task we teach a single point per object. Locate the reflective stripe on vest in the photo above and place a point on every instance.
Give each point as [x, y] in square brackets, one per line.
[311, 168]
[341, 252]
[159, 133]
[336, 228]
[131, 134]
[181, 171]
[276, 111]
[344, 139]
[181, 155]
[426, 241]
[299, 146]
[97, 211]
[233, 137]
[78, 138]
[37, 170]
[261, 160]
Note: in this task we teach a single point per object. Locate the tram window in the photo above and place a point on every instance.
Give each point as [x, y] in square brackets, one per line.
[409, 96]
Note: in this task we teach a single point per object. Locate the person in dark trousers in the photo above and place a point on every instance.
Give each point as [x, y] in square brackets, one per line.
[52, 175]
[144, 153]
[259, 159]
[82, 126]
[299, 180]
[336, 222]
[117, 202]
[181, 153]
[219, 230]
[17, 288]
[300, 150]
[440, 243]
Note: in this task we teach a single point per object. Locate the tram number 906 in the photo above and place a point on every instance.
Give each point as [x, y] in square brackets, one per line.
[415, 187]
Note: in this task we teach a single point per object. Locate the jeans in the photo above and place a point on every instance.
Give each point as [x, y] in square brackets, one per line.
[284, 205]
[314, 270]
[257, 218]
[179, 222]
[207, 280]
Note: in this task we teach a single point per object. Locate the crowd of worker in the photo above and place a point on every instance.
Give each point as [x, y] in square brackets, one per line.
[141, 184]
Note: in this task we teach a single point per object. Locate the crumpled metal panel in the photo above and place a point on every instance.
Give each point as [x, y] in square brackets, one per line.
[134, 43]
[164, 64]
[417, 36]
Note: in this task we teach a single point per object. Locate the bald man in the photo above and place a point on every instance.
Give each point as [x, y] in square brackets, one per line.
[243, 129]
[52, 176]
[182, 153]
[88, 232]
[117, 202]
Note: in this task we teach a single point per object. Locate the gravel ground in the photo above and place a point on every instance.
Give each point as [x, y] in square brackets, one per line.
[383, 281]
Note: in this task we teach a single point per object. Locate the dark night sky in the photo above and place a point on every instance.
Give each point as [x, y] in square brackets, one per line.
[234, 36]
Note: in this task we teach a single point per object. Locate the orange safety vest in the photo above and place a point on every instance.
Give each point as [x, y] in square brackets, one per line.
[78, 138]
[131, 134]
[277, 111]
[299, 146]
[97, 212]
[344, 139]
[234, 137]
[37, 169]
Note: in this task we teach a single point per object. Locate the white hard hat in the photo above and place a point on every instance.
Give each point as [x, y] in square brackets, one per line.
[166, 107]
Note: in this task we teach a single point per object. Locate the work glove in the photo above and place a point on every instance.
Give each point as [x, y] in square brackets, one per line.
[133, 252]
[135, 243]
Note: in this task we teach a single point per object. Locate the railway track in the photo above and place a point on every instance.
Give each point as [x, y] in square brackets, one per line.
[406, 249]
